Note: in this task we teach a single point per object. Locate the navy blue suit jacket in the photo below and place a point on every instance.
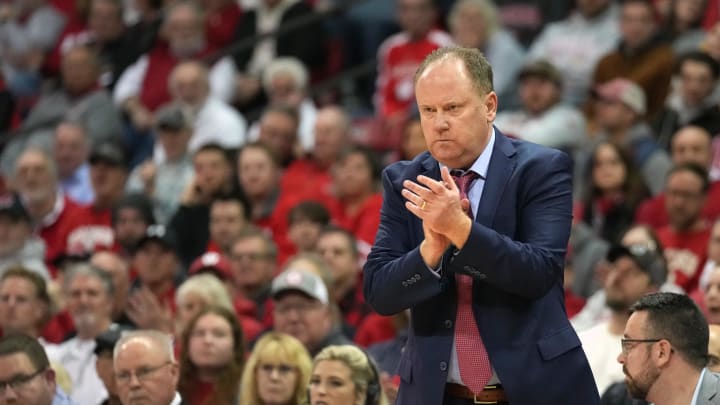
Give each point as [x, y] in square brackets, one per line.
[515, 254]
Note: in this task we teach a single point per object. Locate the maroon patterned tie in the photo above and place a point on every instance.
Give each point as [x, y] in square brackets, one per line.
[473, 361]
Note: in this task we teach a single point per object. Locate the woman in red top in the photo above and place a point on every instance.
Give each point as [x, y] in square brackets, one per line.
[212, 360]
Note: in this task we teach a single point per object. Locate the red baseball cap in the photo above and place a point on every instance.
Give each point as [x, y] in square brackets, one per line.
[211, 262]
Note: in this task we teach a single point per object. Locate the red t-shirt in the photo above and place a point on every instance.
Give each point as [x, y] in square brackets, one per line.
[56, 228]
[686, 254]
[96, 233]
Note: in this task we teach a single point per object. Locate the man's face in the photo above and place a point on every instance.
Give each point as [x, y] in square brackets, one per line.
[335, 249]
[637, 24]
[34, 387]
[469, 28]
[88, 303]
[692, 145]
[696, 82]
[117, 269]
[159, 374]
[304, 234]
[227, 220]
[329, 136]
[285, 90]
[714, 243]
[79, 72]
[456, 119]
[189, 85]
[34, 177]
[130, 227]
[613, 115]
[174, 143]
[154, 262]
[257, 172]
[212, 172]
[538, 94]
[353, 176]
[108, 181]
[640, 372]
[279, 131]
[711, 297]
[183, 30]
[625, 283]
[684, 199]
[416, 17]
[13, 234]
[20, 309]
[105, 21]
[250, 262]
[714, 348]
[71, 149]
[302, 317]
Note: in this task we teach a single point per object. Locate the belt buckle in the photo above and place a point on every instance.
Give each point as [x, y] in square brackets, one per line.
[478, 402]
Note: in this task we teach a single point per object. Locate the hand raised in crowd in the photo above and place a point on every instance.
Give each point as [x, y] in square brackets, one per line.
[148, 171]
[147, 312]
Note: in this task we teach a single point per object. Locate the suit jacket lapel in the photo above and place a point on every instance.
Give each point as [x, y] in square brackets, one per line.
[502, 165]
[710, 387]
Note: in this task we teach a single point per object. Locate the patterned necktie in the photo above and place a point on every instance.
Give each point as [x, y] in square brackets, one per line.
[473, 361]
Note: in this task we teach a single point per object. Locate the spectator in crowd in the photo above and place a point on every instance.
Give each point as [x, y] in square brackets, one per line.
[664, 351]
[543, 118]
[212, 178]
[279, 130]
[79, 100]
[642, 56]
[577, 43]
[277, 372]
[104, 346]
[614, 192]
[400, 54]
[633, 272]
[253, 262]
[711, 42]
[119, 271]
[71, 152]
[54, 214]
[18, 245]
[213, 358]
[355, 372]
[306, 220]
[713, 255]
[259, 174]
[306, 43]
[693, 98]
[229, 217]
[25, 368]
[89, 296]
[24, 302]
[690, 144]
[476, 24]
[413, 141]
[152, 304]
[683, 24]
[145, 368]
[339, 250]
[619, 108]
[108, 174]
[302, 309]
[213, 120]
[311, 175]
[164, 182]
[685, 238]
[711, 296]
[29, 30]
[356, 179]
[285, 80]
[131, 215]
[202, 291]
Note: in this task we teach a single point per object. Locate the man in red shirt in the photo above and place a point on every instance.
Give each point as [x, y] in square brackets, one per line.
[54, 215]
[685, 238]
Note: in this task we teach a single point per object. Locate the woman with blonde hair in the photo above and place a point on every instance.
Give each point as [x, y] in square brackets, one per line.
[195, 294]
[277, 372]
[344, 375]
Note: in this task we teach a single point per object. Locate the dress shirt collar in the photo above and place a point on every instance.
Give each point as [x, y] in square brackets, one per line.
[696, 395]
[481, 164]
[177, 400]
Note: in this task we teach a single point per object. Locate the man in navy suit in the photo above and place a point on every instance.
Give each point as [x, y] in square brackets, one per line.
[480, 262]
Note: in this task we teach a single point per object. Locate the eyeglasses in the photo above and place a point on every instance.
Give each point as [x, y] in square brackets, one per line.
[143, 373]
[18, 382]
[282, 369]
[627, 344]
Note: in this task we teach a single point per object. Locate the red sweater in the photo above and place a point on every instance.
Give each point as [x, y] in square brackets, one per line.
[686, 254]
[56, 228]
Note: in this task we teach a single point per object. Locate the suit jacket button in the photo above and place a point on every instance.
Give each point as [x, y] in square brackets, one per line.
[443, 366]
[404, 284]
[417, 276]
[469, 269]
[482, 276]
[448, 324]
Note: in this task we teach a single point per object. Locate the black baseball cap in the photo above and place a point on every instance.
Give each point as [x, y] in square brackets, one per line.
[159, 233]
[647, 259]
[109, 153]
[11, 206]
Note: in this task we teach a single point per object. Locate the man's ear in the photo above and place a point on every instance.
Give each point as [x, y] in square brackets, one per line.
[661, 352]
[49, 376]
[491, 103]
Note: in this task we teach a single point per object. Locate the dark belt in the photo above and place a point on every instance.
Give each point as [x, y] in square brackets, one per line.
[492, 394]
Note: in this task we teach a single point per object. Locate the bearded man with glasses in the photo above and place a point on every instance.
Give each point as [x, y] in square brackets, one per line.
[25, 374]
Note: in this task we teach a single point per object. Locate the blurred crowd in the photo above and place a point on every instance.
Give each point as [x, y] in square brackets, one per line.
[184, 170]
